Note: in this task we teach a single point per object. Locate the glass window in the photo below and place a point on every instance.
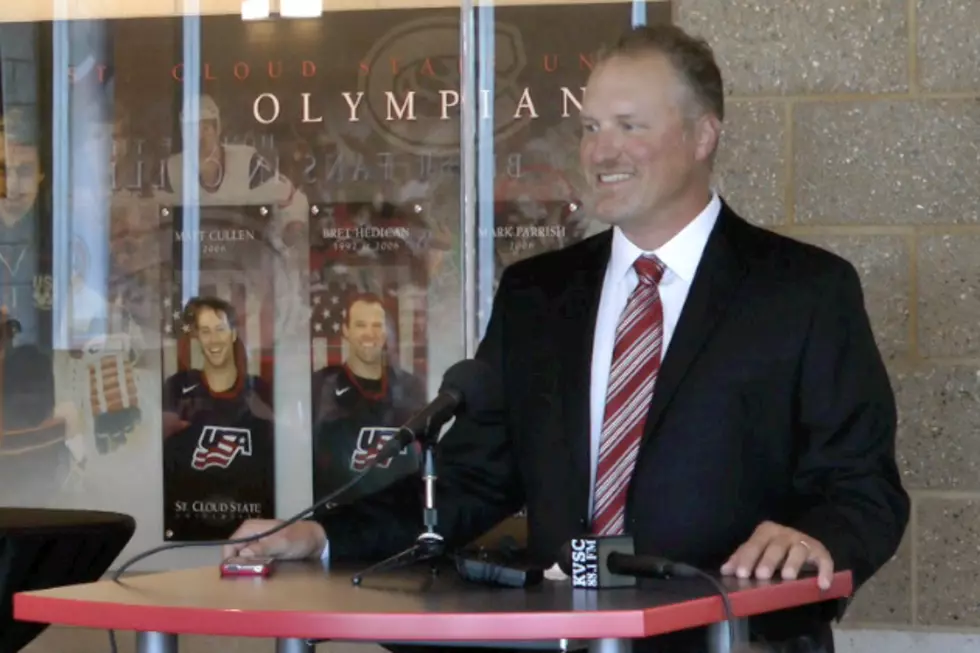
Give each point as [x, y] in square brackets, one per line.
[241, 243]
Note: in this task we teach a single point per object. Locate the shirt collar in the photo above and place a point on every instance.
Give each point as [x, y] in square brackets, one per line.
[681, 254]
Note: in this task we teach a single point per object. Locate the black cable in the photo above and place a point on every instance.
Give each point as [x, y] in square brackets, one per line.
[682, 570]
[393, 447]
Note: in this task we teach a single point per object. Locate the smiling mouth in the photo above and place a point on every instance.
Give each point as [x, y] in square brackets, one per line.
[613, 178]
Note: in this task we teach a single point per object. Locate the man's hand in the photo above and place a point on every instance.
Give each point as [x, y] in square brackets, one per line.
[773, 546]
[304, 539]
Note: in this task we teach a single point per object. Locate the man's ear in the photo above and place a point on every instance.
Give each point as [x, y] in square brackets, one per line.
[707, 134]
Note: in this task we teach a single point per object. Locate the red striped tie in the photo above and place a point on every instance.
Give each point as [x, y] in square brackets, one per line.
[635, 363]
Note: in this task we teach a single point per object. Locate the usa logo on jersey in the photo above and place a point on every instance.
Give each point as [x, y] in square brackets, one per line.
[219, 446]
[369, 443]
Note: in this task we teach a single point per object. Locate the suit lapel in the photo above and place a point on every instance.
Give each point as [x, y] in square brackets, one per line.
[720, 271]
[579, 308]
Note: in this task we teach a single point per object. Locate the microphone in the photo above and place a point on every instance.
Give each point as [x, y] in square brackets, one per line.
[597, 562]
[469, 385]
[505, 566]
[608, 562]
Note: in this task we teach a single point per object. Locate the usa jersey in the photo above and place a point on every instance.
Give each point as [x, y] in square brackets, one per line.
[219, 466]
[353, 418]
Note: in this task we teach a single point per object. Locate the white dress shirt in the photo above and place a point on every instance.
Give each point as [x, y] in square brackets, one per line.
[681, 256]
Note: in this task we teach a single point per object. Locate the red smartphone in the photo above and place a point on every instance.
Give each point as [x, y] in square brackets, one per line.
[260, 567]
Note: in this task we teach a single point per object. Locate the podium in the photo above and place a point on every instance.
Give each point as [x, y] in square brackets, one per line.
[303, 602]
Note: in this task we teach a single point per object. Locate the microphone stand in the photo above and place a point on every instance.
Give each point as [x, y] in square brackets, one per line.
[429, 545]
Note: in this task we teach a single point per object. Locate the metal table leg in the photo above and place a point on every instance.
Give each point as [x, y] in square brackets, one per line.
[720, 641]
[295, 646]
[610, 645]
[156, 643]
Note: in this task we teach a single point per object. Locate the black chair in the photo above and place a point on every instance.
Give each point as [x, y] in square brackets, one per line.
[41, 549]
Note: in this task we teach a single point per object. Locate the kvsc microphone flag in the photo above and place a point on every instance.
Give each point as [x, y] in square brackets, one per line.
[585, 564]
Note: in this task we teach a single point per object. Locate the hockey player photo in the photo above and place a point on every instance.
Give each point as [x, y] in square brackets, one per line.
[218, 450]
[359, 404]
[231, 172]
[234, 174]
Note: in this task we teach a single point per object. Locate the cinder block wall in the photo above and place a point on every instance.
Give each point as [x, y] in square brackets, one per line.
[856, 125]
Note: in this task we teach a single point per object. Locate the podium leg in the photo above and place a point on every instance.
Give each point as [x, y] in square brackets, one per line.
[294, 646]
[719, 640]
[610, 645]
[156, 643]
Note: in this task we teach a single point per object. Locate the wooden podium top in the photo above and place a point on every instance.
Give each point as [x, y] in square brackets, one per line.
[304, 600]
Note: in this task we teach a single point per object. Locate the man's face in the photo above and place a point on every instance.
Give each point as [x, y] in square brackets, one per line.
[216, 336]
[365, 331]
[20, 179]
[638, 150]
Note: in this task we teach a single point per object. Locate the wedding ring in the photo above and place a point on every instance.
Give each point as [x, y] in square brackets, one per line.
[805, 545]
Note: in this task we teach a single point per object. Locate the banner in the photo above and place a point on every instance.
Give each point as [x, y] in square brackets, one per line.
[218, 407]
[369, 277]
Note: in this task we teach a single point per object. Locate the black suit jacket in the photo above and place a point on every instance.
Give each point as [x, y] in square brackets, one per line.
[772, 404]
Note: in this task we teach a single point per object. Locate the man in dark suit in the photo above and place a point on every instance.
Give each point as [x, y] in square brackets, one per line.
[709, 387]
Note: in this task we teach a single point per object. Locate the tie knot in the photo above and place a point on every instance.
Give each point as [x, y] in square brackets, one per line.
[649, 269]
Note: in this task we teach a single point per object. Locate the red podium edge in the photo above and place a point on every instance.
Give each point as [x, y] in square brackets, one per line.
[500, 626]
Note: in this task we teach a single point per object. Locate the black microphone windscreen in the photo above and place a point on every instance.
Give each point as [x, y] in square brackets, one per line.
[565, 558]
[479, 387]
